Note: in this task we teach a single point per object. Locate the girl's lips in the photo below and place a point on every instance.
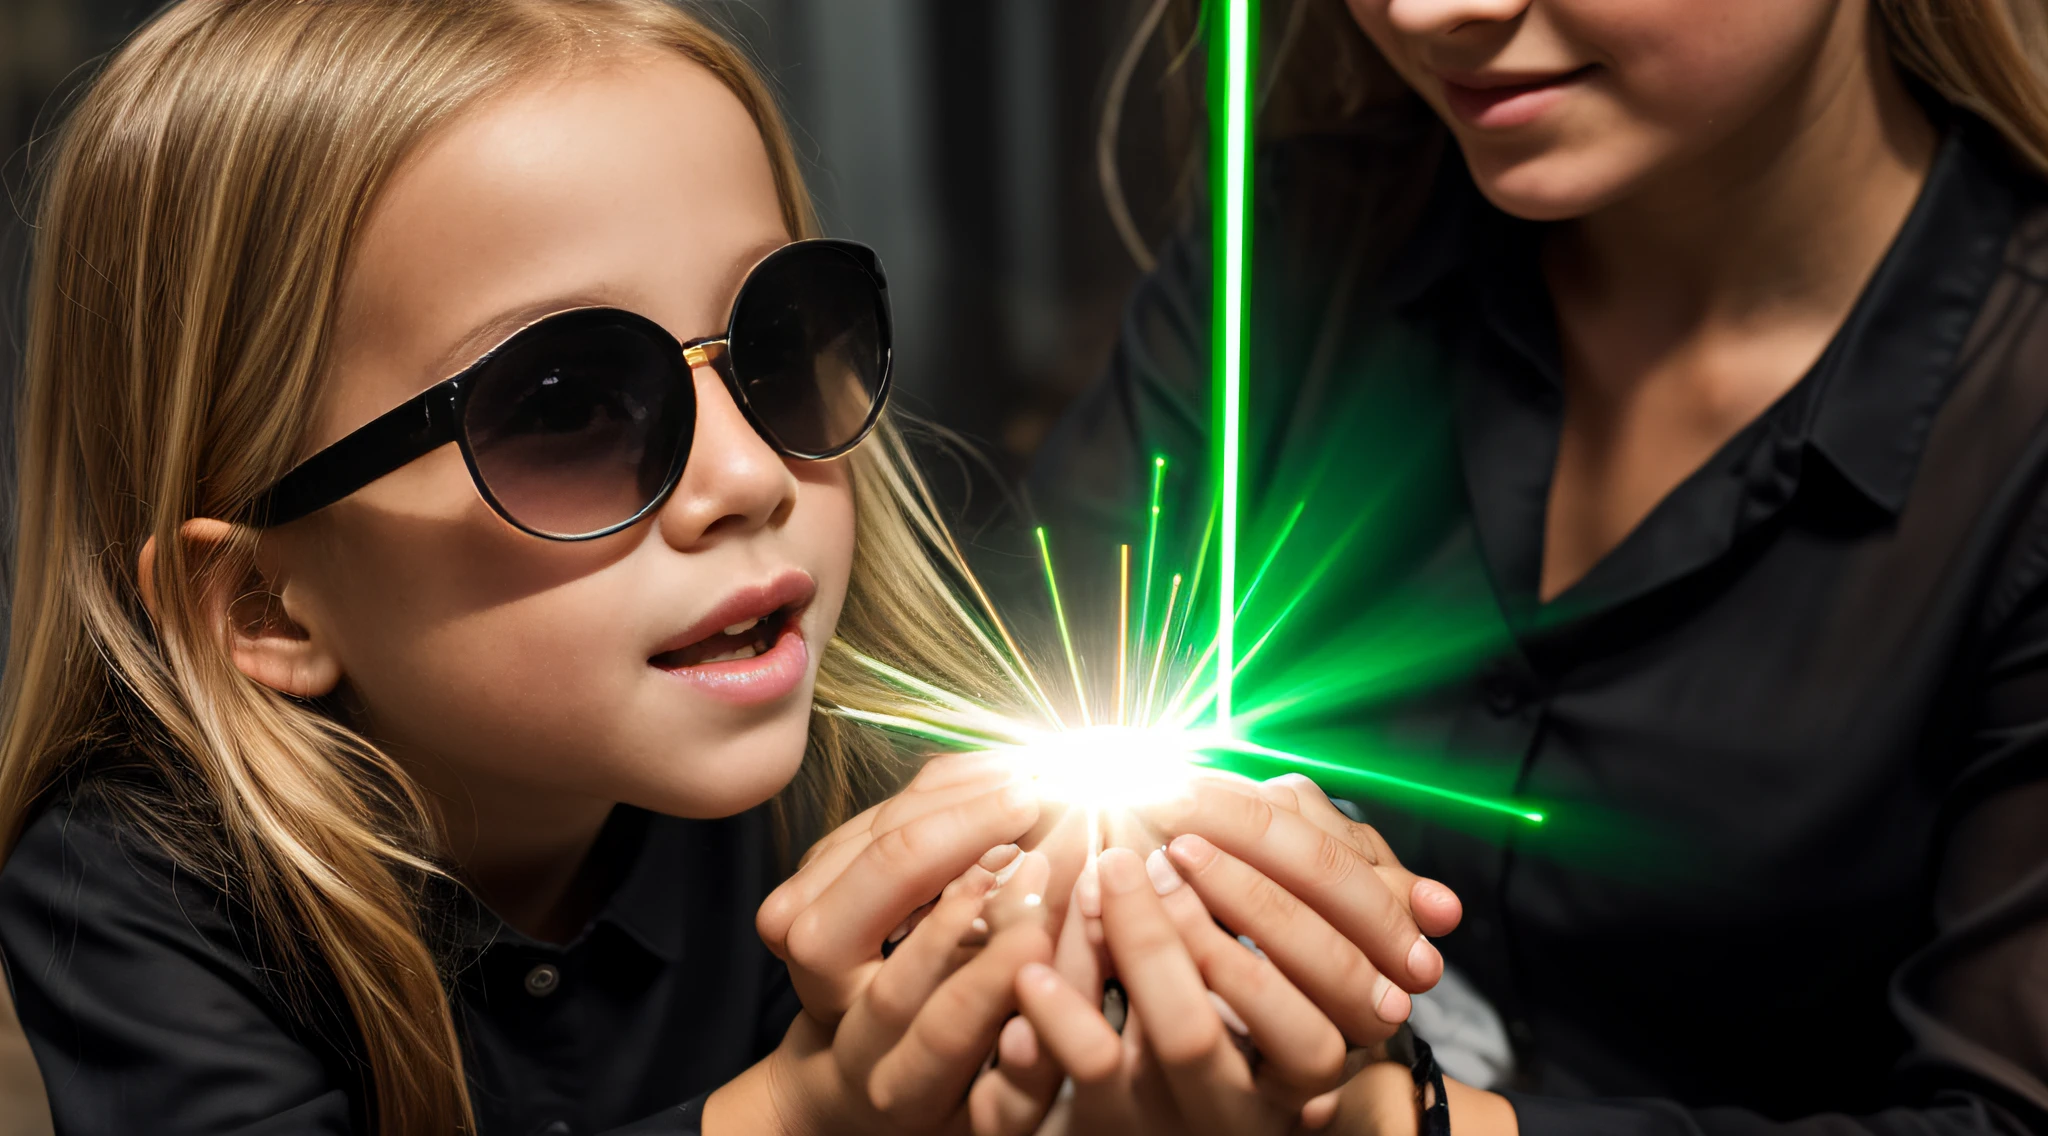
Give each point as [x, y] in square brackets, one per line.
[766, 677]
[1504, 106]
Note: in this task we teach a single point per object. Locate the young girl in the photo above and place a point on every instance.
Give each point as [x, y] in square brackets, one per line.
[312, 716]
[442, 490]
[1722, 323]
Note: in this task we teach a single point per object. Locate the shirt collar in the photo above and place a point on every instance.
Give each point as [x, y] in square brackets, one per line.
[662, 868]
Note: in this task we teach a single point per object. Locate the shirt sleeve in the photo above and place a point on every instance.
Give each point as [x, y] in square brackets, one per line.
[139, 1019]
[1974, 999]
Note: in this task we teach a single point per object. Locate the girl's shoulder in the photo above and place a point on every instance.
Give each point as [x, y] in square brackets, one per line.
[148, 998]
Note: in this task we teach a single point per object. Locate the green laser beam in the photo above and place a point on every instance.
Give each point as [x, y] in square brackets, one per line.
[1159, 654]
[1151, 549]
[1231, 66]
[1059, 614]
[1298, 762]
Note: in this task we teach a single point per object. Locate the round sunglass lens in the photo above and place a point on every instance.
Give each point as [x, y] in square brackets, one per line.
[809, 348]
[577, 424]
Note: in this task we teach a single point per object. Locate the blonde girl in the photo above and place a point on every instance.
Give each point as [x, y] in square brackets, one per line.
[451, 472]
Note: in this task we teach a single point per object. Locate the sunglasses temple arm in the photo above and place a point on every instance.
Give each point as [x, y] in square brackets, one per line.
[401, 435]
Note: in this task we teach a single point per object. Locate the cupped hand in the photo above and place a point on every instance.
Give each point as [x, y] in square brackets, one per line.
[1322, 895]
[910, 1042]
[1200, 1006]
[831, 920]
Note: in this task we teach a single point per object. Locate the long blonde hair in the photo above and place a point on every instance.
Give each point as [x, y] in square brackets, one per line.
[1323, 77]
[193, 227]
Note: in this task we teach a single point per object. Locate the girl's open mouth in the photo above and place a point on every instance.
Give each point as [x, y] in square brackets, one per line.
[744, 640]
[758, 660]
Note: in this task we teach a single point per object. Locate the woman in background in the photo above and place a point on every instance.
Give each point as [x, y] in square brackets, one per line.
[1718, 328]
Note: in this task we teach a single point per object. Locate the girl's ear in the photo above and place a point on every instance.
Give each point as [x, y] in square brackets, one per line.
[267, 644]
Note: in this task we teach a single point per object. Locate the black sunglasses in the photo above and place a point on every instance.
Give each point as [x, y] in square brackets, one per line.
[579, 424]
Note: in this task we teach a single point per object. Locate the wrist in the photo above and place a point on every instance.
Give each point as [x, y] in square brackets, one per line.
[767, 1099]
[1476, 1112]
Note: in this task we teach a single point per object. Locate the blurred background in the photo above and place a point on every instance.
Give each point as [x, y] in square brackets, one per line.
[959, 138]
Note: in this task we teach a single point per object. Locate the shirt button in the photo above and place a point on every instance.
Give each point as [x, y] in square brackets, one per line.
[542, 981]
[556, 1128]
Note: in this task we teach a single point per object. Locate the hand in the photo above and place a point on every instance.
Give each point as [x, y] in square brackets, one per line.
[901, 1057]
[1322, 895]
[830, 920]
[1178, 1066]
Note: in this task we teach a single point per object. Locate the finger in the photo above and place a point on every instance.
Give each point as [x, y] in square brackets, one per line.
[1322, 963]
[1072, 1030]
[929, 1072]
[1436, 908]
[899, 871]
[1081, 960]
[1329, 873]
[881, 1012]
[1184, 1034]
[1302, 1052]
[1012, 1098]
[942, 783]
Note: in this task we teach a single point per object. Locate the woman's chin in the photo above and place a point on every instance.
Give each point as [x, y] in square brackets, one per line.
[1553, 185]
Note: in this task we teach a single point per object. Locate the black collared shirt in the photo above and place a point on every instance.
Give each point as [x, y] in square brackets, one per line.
[148, 1011]
[1791, 736]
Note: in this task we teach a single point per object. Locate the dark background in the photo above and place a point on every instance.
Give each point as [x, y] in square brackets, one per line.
[957, 136]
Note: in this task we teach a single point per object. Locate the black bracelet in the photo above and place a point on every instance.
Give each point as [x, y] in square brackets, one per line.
[1430, 1102]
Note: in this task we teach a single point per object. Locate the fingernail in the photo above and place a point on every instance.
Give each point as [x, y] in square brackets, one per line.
[901, 930]
[1088, 892]
[1120, 871]
[1038, 976]
[1249, 944]
[1389, 1001]
[1164, 879]
[1230, 1017]
[1424, 959]
[980, 925]
[1193, 852]
[1004, 873]
[1000, 858]
[1033, 900]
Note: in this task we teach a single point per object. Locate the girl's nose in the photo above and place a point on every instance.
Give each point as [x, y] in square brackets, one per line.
[734, 482]
[1442, 17]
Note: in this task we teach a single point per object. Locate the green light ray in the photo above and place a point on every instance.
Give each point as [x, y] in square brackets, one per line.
[1176, 706]
[1231, 64]
[1059, 614]
[1123, 629]
[1159, 654]
[1300, 762]
[1151, 549]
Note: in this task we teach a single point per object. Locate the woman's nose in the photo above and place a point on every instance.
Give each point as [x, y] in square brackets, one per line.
[734, 481]
[1442, 17]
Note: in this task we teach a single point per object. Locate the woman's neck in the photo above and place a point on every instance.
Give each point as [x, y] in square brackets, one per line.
[1785, 220]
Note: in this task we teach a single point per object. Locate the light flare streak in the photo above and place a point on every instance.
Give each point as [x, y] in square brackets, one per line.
[1130, 751]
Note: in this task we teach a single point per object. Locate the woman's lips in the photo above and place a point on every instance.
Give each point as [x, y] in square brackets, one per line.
[773, 674]
[1488, 105]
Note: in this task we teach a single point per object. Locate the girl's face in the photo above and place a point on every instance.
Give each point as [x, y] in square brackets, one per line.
[505, 666]
[1565, 106]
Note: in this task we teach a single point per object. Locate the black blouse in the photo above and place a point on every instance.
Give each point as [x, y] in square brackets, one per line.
[1791, 735]
[148, 1007]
